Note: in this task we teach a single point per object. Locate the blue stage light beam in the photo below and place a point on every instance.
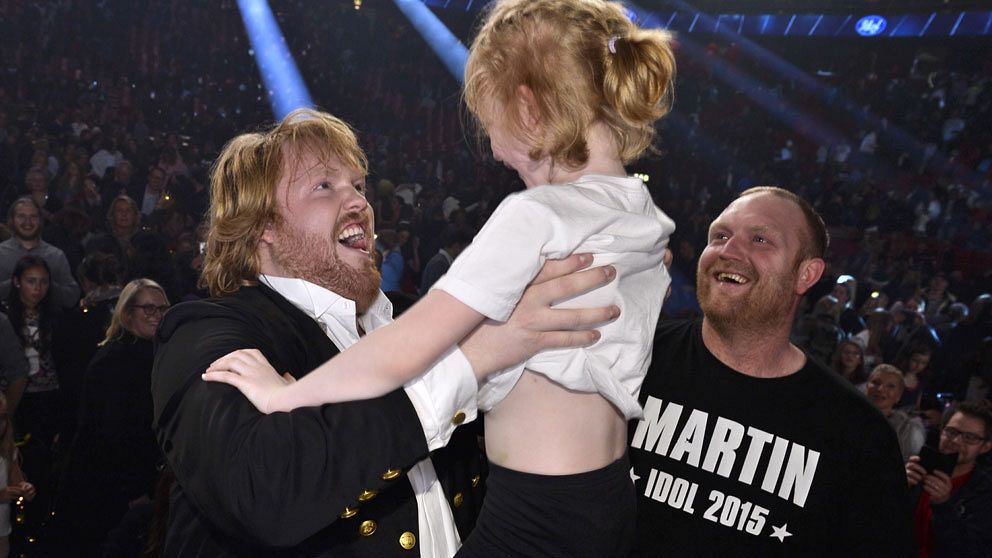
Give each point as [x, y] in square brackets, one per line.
[283, 82]
[443, 42]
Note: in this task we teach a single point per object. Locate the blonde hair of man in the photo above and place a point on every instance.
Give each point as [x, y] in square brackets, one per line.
[243, 190]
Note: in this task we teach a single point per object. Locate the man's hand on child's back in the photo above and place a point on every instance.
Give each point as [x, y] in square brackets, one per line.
[534, 325]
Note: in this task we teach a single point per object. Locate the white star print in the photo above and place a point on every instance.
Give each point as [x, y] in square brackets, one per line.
[633, 477]
[781, 532]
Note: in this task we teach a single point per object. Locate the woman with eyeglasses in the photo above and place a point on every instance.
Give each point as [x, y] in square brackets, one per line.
[114, 457]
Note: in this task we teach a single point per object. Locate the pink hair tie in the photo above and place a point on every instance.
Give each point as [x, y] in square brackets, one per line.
[612, 45]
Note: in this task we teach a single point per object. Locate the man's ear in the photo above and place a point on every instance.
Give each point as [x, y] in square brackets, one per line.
[986, 446]
[530, 113]
[268, 234]
[810, 272]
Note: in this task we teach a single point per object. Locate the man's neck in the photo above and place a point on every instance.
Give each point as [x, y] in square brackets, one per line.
[760, 353]
[29, 243]
[962, 469]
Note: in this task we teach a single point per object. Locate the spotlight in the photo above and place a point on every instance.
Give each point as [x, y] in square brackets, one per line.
[441, 40]
[282, 79]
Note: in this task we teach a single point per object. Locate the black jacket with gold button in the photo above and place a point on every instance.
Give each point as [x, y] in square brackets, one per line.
[326, 481]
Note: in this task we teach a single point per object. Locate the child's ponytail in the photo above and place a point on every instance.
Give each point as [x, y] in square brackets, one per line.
[639, 71]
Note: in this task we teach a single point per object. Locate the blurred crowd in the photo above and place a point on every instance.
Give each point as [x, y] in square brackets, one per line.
[111, 113]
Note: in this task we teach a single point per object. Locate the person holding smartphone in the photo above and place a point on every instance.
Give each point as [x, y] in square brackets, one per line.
[953, 511]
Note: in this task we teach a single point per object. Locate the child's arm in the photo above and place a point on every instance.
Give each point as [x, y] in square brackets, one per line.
[380, 362]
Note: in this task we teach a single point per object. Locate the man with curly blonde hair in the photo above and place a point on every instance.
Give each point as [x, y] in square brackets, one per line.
[289, 262]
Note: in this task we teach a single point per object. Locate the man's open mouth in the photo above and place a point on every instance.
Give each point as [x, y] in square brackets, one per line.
[734, 278]
[354, 237]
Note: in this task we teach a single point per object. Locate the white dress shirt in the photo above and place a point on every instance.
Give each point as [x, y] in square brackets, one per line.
[444, 390]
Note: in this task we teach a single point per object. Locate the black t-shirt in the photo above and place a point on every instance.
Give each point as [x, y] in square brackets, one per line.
[726, 464]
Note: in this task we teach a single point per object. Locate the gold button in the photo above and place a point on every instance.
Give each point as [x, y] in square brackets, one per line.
[457, 500]
[367, 528]
[408, 540]
[475, 481]
[391, 474]
[367, 495]
[348, 512]
[458, 418]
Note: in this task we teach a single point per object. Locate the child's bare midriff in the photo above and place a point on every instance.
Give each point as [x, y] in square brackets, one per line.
[544, 428]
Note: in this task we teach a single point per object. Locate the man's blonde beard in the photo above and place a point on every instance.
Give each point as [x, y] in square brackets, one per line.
[313, 258]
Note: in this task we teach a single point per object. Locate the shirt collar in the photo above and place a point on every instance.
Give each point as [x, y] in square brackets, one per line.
[322, 304]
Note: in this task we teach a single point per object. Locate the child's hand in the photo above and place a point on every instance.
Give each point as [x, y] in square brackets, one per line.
[251, 373]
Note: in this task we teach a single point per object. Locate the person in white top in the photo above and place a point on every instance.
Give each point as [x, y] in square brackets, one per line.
[556, 427]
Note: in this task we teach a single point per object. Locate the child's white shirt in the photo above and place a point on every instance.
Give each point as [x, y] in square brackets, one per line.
[615, 219]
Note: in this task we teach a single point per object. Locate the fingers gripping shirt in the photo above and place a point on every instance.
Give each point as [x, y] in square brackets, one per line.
[614, 219]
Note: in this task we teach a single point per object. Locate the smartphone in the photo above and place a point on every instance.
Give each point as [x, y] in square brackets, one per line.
[932, 460]
[203, 248]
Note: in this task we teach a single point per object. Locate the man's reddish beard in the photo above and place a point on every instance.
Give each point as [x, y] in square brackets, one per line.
[768, 302]
[313, 257]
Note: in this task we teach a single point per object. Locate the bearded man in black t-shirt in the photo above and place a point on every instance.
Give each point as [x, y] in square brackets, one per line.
[747, 447]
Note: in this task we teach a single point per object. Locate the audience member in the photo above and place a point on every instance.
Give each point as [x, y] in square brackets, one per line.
[953, 511]
[13, 365]
[14, 487]
[885, 387]
[36, 183]
[24, 220]
[154, 192]
[454, 241]
[845, 291]
[112, 463]
[40, 414]
[81, 328]
[849, 361]
[392, 259]
[818, 333]
[915, 363]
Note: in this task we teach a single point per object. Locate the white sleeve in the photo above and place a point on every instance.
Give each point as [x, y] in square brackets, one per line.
[444, 397]
[491, 274]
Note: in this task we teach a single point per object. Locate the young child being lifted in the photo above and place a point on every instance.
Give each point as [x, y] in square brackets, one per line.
[568, 91]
